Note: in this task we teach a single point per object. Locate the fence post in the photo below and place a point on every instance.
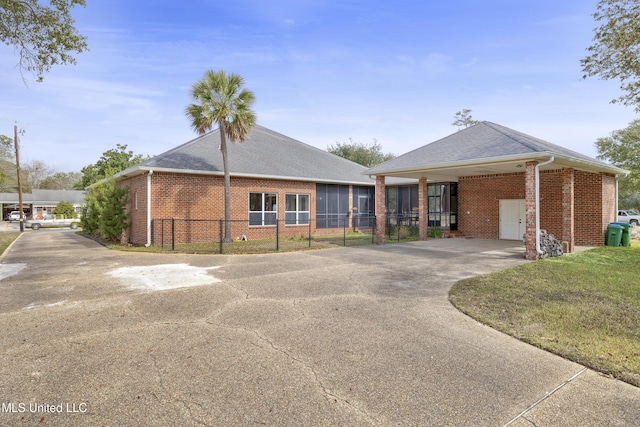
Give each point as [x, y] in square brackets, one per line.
[387, 230]
[220, 235]
[277, 234]
[173, 234]
[153, 242]
[373, 231]
[309, 232]
[345, 222]
[162, 234]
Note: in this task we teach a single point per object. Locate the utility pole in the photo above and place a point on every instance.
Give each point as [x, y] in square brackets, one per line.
[15, 140]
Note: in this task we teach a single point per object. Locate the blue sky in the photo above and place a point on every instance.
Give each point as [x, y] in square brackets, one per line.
[322, 72]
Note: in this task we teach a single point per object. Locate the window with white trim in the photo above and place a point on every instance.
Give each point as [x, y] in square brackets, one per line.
[296, 210]
[263, 208]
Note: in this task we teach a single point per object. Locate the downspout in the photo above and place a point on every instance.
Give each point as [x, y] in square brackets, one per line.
[615, 211]
[149, 208]
[538, 251]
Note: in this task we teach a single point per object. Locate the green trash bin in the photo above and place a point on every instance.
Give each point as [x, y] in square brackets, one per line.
[626, 233]
[614, 234]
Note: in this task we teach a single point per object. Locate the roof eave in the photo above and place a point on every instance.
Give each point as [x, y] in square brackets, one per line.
[542, 155]
[138, 170]
[592, 165]
[466, 163]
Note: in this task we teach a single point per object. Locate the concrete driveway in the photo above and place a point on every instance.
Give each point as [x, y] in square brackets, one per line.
[345, 337]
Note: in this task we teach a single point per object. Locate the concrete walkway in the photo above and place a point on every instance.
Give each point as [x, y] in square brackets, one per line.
[346, 337]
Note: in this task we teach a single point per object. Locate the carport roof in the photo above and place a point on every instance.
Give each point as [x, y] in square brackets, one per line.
[46, 197]
[481, 149]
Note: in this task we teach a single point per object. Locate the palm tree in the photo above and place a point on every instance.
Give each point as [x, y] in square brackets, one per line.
[220, 99]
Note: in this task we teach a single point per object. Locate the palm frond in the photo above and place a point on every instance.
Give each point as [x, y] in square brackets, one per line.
[220, 98]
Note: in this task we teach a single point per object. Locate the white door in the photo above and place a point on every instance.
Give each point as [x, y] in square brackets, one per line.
[512, 219]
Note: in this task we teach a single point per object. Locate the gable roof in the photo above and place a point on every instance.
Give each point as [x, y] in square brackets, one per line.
[264, 154]
[485, 148]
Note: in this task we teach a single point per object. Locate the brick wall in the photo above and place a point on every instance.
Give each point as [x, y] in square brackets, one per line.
[594, 207]
[594, 204]
[551, 193]
[201, 197]
[137, 209]
[568, 208]
[609, 213]
[531, 251]
[479, 202]
[381, 209]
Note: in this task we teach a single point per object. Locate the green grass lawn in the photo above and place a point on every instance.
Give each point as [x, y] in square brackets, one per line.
[285, 244]
[6, 239]
[584, 307]
[236, 248]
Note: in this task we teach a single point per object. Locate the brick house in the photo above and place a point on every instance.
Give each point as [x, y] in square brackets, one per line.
[488, 181]
[274, 178]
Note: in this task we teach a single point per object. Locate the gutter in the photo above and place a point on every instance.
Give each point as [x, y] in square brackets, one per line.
[574, 162]
[149, 208]
[538, 251]
[136, 170]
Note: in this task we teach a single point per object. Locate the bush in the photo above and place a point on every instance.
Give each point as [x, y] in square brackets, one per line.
[105, 214]
[403, 232]
[434, 232]
[65, 210]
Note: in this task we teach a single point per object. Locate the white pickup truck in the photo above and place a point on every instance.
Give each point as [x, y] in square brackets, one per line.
[52, 221]
[629, 216]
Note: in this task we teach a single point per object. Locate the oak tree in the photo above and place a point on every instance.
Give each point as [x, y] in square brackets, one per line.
[614, 54]
[43, 36]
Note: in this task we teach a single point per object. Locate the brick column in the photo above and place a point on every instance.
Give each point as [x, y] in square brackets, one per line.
[422, 208]
[381, 210]
[568, 200]
[530, 209]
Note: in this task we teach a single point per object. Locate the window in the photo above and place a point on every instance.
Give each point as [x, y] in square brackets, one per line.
[263, 208]
[296, 209]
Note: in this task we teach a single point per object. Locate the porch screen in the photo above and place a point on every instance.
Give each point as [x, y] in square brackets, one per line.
[332, 205]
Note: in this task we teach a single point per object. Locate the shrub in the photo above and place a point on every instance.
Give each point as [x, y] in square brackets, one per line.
[65, 210]
[105, 212]
[402, 232]
[434, 232]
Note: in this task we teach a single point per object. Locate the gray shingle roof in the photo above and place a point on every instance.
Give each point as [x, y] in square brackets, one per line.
[484, 140]
[265, 153]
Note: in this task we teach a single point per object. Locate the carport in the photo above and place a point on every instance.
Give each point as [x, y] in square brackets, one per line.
[510, 185]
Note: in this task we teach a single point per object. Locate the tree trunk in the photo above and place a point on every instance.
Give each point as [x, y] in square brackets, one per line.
[227, 186]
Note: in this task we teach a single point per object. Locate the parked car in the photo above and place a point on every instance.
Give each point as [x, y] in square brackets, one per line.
[14, 216]
[629, 216]
[52, 221]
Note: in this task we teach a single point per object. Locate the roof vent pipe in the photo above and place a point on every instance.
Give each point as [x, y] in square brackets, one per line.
[538, 202]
